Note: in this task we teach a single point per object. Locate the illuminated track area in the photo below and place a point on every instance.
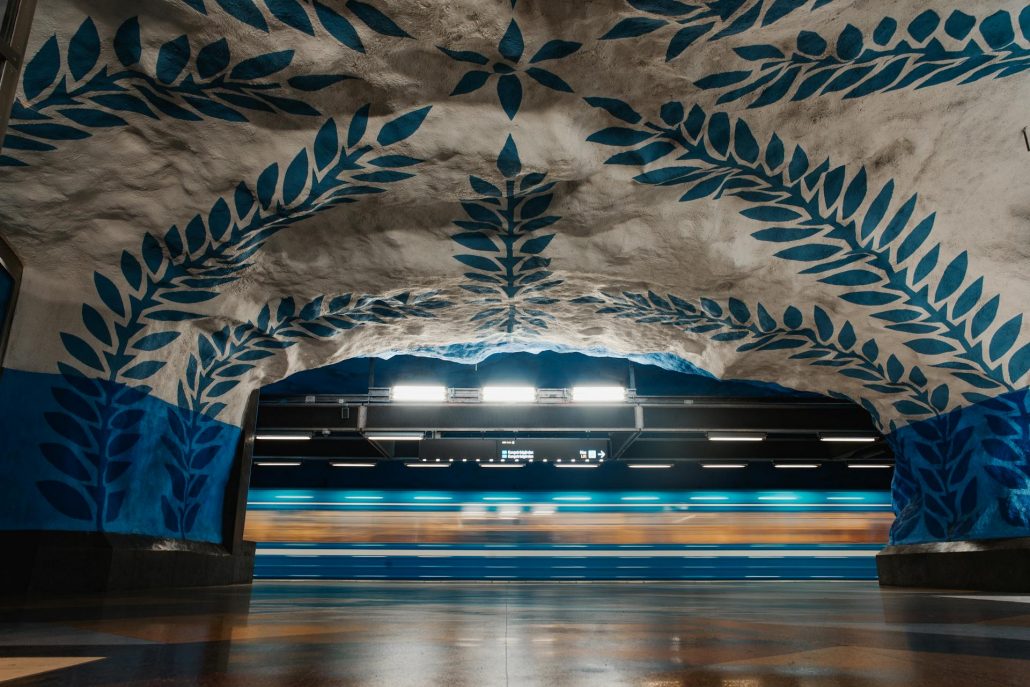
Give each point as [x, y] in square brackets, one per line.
[322, 534]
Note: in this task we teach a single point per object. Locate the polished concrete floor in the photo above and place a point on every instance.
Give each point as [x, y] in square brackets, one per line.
[726, 634]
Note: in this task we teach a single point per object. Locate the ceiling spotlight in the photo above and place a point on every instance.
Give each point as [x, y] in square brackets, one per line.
[353, 465]
[847, 438]
[509, 394]
[296, 436]
[598, 394]
[650, 466]
[796, 466]
[724, 466]
[395, 436]
[418, 394]
[875, 466]
[736, 436]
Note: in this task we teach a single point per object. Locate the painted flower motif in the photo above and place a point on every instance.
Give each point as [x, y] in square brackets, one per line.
[508, 67]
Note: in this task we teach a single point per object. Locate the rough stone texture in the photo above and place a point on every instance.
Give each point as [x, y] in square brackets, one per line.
[686, 214]
[1001, 565]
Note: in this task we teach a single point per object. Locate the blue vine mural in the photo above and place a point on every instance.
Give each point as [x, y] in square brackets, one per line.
[194, 439]
[861, 240]
[70, 93]
[856, 65]
[509, 272]
[686, 23]
[506, 65]
[164, 282]
[297, 15]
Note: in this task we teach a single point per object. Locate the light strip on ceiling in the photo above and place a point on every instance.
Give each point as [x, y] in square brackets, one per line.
[428, 465]
[278, 464]
[650, 466]
[574, 465]
[870, 466]
[353, 465]
[724, 466]
[796, 466]
[736, 436]
[283, 437]
[846, 438]
[418, 393]
[395, 436]
[501, 465]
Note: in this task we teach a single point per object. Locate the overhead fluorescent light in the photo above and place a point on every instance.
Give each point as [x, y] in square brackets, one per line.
[639, 498]
[509, 394]
[292, 496]
[709, 498]
[598, 394]
[502, 498]
[428, 465]
[650, 466]
[363, 498]
[501, 465]
[571, 498]
[847, 438]
[574, 465]
[724, 466]
[736, 436]
[278, 464]
[419, 393]
[796, 466]
[296, 436]
[874, 466]
[432, 498]
[778, 497]
[353, 465]
[395, 436]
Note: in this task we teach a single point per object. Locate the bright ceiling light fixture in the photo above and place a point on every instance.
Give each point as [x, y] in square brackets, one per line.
[277, 464]
[598, 394]
[736, 436]
[395, 436]
[353, 465]
[501, 465]
[871, 466]
[428, 465]
[848, 438]
[295, 436]
[574, 465]
[417, 393]
[650, 466]
[796, 466]
[724, 466]
[509, 394]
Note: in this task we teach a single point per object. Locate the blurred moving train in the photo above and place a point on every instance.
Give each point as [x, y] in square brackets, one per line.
[428, 535]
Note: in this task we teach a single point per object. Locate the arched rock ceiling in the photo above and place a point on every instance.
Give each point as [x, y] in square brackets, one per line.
[831, 195]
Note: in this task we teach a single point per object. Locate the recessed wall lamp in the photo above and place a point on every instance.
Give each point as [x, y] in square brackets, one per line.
[598, 394]
[509, 394]
[736, 436]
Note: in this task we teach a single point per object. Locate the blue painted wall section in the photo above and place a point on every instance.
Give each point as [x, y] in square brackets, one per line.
[965, 474]
[63, 470]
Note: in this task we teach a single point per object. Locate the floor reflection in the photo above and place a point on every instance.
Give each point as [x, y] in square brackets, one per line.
[728, 634]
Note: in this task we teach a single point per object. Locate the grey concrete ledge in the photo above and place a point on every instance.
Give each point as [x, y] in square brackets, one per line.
[983, 565]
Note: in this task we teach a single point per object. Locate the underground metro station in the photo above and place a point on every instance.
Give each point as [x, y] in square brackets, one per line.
[489, 342]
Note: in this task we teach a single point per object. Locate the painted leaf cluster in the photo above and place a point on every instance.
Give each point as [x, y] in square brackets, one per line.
[507, 66]
[929, 51]
[684, 23]
[308, 17]
[71, 93]
[506, 243]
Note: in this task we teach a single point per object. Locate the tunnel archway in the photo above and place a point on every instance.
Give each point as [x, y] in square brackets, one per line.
[802, 218]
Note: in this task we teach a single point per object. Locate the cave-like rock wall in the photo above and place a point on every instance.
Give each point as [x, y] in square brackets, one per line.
[211, 194]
